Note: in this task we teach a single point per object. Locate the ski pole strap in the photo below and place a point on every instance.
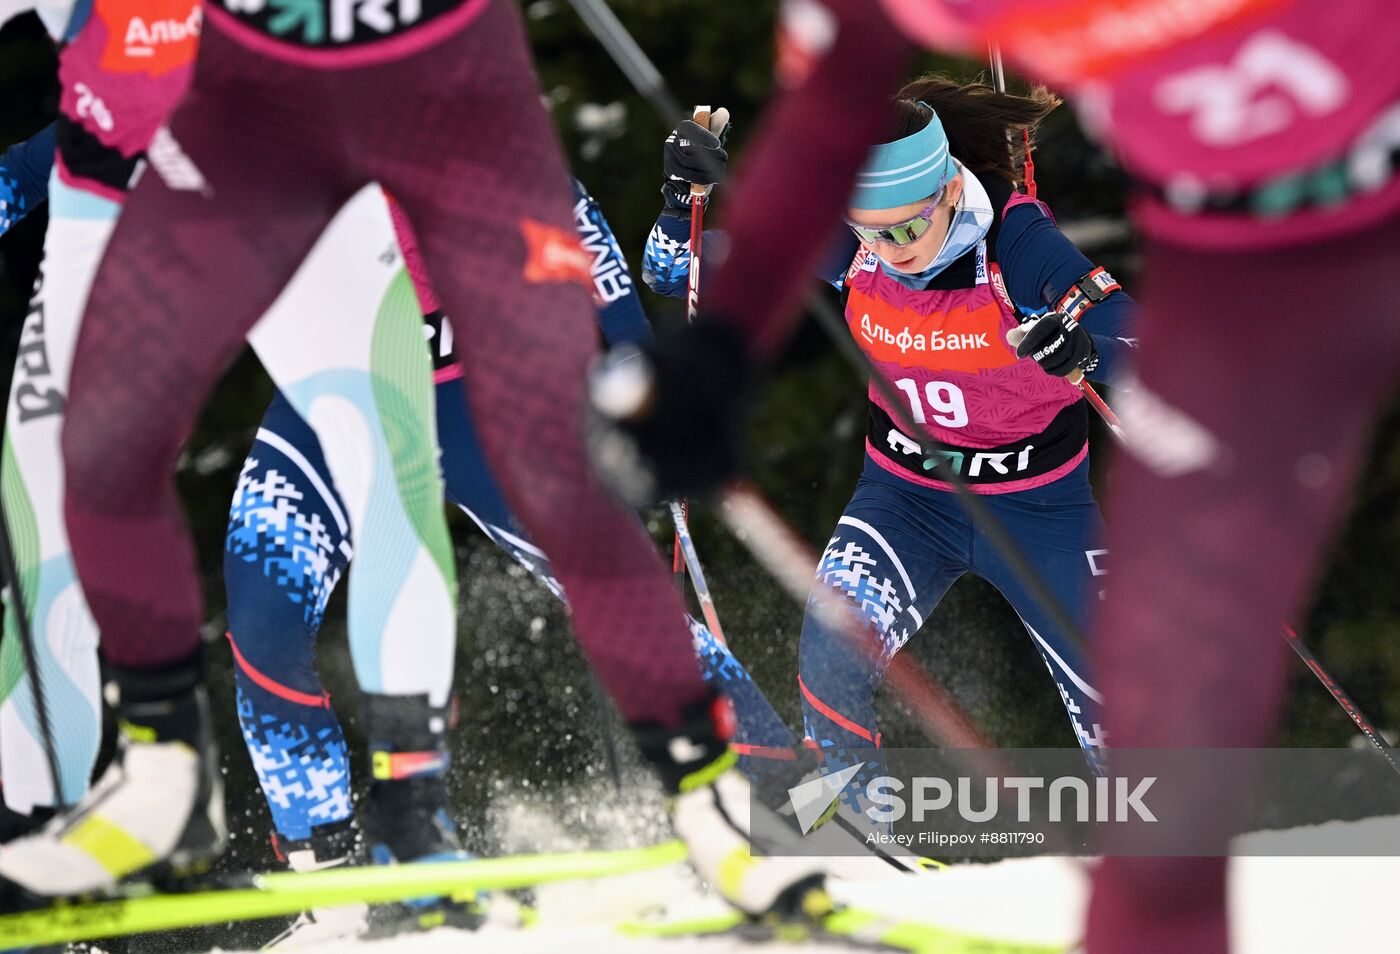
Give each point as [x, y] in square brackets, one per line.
[1084, 294]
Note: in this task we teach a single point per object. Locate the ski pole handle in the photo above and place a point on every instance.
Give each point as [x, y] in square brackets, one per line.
[701, 118]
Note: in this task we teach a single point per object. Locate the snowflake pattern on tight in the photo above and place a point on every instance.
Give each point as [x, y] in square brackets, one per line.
[849, 568]
[294, 548]
[1090, 737]
[303, 768]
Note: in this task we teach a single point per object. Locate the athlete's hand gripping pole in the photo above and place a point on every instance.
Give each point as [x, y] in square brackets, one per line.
[1061, 333]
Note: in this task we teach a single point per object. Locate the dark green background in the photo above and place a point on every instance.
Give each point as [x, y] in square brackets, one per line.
[530, 714]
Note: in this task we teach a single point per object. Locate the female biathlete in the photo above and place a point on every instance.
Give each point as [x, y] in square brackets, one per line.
[950, 258]
[1265, 138]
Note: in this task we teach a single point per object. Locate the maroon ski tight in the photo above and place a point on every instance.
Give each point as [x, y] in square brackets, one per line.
[1262, 375]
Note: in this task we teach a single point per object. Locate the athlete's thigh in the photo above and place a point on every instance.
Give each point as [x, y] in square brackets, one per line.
[476, 164]
[188, 271]
[893, 554]
[1060, 533]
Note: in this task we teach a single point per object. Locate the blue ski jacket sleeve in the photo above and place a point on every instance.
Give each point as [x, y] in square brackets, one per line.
[24, 176]
[620, 315]
[666, 259]
[1040, 264]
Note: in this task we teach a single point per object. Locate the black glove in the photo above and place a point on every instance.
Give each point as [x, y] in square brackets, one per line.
[1057, 343]
[694, 154]
[669, 419]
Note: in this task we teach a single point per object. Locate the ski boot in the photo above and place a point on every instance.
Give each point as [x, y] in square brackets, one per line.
[157, 811]
[737, 843]
[330, 846]
[405, 813]
[15, 824]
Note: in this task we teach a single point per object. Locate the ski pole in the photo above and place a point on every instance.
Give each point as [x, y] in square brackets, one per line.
[701, 117]
[998, 67]
[1367, 728]
[607, 724]
[10, 567]
[1115, 426]
[697, 195]
[629, 57]
[697, 573]
[698, 192]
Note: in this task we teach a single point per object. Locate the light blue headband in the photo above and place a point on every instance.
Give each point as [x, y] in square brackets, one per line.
[906, 170]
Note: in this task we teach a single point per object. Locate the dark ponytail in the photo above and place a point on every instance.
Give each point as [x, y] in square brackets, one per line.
[983, 126]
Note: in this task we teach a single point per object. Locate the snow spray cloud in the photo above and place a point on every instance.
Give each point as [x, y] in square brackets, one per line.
[951, 803]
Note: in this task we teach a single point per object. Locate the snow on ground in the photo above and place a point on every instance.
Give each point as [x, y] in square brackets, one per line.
[1280, 905]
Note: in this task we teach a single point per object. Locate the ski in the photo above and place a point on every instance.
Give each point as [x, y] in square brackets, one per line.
[853, 926]
[138, 909]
